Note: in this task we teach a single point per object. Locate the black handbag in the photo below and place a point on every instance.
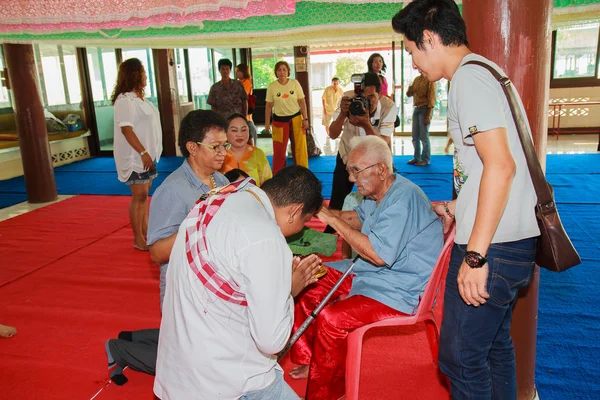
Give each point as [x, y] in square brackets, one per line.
[554, 248]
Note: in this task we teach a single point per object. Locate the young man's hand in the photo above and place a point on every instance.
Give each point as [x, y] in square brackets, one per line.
[472, 284]
[303, 272]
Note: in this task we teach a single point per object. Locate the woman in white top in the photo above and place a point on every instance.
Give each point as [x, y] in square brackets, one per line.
[137, 143]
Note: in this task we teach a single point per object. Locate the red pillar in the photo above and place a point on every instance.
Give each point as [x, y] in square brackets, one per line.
[31, 124]
[516, 36]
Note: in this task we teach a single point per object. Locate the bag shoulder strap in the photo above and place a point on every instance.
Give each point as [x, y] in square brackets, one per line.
[542, 189]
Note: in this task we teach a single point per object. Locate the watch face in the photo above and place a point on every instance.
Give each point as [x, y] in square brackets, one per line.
[473, 260]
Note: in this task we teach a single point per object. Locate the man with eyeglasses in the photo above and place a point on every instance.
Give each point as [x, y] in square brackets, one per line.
[203, 143]
[378, 121]
[398, 239]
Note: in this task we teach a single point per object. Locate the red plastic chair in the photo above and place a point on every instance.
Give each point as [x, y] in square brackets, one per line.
[429, 311]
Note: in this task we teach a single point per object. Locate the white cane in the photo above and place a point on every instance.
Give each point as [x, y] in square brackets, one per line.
[316, 312]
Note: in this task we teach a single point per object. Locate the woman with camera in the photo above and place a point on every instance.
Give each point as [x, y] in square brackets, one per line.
[285, 98]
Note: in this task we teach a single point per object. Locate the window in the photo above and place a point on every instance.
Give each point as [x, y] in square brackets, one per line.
[54, 65]
[182, 83]
[4, 95]
[145, 56]
[408, 75]
[575, 56]
[263, 62]
[103, 73]
[201, 74]
[72, 72]
[49, 71]
[576, 52]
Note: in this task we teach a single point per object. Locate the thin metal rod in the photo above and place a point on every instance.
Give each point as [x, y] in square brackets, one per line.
[316, 311]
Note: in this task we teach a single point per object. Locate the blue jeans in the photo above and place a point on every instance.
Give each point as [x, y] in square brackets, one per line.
[278, 390]
[420, 135]
[476, 350]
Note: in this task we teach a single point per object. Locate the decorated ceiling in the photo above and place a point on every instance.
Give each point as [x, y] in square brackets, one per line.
[218, 23]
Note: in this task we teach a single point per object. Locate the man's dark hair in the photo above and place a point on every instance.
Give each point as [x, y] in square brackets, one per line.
[372, 58]
[335, 78]
[234, 116]
[194, 126]
[225, 61]
[372, 79]
[295, 185]
[438, 16]
[235, 174]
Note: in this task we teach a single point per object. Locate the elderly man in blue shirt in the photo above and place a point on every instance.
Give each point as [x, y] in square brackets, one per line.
[203, 143]
[398, 238]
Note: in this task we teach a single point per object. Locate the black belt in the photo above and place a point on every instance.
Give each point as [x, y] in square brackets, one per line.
[286, 118]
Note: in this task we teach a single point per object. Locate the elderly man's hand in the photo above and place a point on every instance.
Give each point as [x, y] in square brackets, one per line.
[447, 220]
[304, 272]
[324, 215]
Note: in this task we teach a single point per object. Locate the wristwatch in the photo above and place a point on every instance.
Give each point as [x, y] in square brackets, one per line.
[143, 152]
[474, 259]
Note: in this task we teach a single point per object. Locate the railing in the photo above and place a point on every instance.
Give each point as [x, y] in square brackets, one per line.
[557, 111]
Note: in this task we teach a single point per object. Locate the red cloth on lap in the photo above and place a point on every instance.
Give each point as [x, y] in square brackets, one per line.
[323, 345]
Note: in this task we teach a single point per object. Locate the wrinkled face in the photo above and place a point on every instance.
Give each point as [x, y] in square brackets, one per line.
[237, 133]
[224, 71]
[208, 157]
[364, 172]
[377, 64]
[282, 72]
[371, 93]
[425, 60]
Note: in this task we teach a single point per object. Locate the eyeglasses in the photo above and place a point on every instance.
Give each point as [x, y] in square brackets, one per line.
[219, 148]
[355, 173]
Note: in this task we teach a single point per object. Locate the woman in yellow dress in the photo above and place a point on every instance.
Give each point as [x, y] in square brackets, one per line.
[248, 158]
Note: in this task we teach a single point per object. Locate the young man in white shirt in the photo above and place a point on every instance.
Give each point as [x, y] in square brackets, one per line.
[496, 228]
[228, 307]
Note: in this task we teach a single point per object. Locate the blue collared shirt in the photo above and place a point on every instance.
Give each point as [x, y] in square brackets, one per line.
[407, 235]
[173, 200]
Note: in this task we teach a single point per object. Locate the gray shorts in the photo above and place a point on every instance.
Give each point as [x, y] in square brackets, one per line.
[140, 178]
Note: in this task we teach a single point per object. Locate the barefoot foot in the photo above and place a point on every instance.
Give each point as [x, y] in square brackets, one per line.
[7, 331]
[299, 372]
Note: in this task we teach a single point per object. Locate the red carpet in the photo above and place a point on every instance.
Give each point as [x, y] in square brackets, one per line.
[34, 239]
[73, 280]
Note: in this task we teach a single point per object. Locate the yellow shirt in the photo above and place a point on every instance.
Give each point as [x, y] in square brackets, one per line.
[285, 97]
[253, 162]
[423, 92]
[332, 97]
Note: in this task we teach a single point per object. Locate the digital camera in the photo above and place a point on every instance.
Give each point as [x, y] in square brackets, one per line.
[358, 101]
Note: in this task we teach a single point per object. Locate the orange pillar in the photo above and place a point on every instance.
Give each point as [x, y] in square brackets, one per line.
[516, 36]
[31, 124]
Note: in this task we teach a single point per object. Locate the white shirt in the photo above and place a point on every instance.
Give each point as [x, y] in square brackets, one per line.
[384, 126]
[144, 118]
[213, 349]
[476, 105]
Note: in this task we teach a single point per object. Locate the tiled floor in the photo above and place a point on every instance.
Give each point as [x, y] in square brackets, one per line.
[25, 207]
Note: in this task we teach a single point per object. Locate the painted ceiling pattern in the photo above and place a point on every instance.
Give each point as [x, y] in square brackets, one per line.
[213, 23]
